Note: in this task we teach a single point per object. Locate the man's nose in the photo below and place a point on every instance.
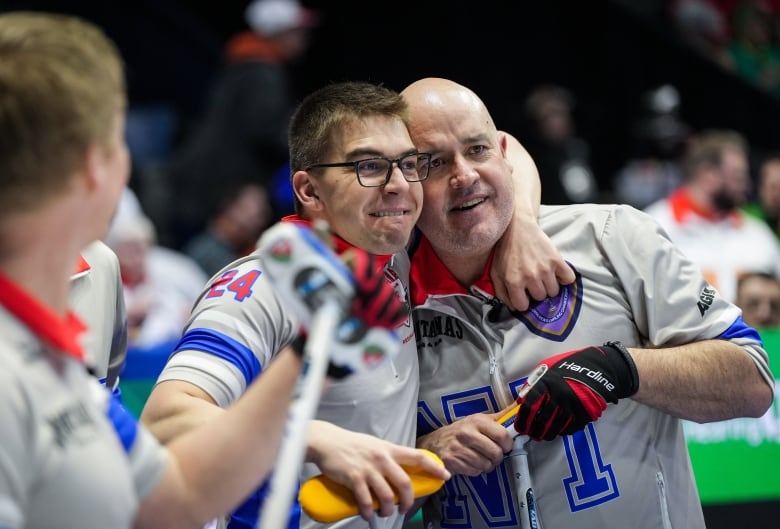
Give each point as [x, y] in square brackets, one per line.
[464, 173]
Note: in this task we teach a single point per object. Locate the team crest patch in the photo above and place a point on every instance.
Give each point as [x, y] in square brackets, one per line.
[554, 318]
[282, 250]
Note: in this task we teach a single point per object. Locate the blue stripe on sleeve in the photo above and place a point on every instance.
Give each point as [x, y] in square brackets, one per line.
[247, 515]
[740, 329]
[222, 346]
[125, 425]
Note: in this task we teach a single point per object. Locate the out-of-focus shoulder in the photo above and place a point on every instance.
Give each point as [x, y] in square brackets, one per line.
[99, 253]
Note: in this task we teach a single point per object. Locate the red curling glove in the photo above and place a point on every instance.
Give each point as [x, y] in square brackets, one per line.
[575, 390]
[376, 302]
[375, 306]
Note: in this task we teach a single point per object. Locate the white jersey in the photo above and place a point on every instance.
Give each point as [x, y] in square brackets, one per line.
[239, 324]
[172, 282]
[631, 467]
[723, 248]
[69, 457]
[96, 296]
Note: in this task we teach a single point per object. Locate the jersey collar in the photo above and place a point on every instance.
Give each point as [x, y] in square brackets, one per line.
[428, 276]
[82, 267]
[249, 46]
[683, 208]
[62, 334]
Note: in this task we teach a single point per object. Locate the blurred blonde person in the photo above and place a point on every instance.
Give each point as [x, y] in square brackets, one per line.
[160, 285]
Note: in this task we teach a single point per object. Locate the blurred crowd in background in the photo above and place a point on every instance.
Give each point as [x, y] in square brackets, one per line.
[212, 86]
[670, 106]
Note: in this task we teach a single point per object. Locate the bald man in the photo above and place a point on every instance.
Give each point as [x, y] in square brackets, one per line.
[636, 343]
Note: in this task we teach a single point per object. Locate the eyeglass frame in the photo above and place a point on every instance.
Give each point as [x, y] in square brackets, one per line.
[393, 163]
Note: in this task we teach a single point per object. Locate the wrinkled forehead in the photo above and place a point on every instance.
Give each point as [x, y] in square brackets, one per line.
[443, 131]
[379, 135]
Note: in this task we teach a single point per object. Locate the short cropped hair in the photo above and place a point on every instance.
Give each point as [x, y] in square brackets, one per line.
[62, 87]
[746, 276]
[322, 114]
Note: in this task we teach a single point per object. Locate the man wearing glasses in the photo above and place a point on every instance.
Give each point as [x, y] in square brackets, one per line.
[375, 172]
[353, 165]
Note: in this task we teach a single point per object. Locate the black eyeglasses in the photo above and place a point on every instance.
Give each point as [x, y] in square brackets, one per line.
[375, 172]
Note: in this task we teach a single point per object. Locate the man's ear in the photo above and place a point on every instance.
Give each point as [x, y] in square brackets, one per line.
[306, 190]
[94, 166]
[502, 142]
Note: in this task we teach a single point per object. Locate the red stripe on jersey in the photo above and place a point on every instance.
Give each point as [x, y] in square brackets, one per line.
[63, 334]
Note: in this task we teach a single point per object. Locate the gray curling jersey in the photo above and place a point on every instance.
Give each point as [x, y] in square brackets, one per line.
[96, 296]
[239, 324]
[69, 459]
[629, 469]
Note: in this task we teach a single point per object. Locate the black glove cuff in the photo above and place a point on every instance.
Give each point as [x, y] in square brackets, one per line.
[298, 344]
[633, 386]
[335, 372]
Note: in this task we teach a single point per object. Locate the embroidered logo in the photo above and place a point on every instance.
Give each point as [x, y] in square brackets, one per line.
[554, 318]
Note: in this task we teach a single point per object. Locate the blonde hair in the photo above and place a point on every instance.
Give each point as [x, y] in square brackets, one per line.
[707, 147]
[61, 89]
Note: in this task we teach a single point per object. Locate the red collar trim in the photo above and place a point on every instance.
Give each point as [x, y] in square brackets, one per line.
[63, 334]
[682, 206]
[339, 245]
[249, 46]
[82, 265]
[429, 276]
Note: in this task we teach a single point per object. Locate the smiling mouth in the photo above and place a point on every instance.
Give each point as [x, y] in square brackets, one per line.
[388, 214]
[469, 205]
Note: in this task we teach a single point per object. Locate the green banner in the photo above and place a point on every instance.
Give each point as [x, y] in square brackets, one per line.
[739, 459]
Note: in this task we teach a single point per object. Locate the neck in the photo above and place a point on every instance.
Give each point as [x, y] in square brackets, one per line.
[697, 196]
[39, 253]
[467, 269]
[700, 199]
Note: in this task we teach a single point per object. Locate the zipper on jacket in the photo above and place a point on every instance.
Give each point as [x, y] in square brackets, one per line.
[659, 481]
[492, 345]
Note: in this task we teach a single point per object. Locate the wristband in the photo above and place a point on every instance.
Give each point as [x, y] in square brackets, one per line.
[619, 347]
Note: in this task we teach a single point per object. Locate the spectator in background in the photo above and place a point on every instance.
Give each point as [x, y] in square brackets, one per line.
[758, 295]
[767, 205]
[160, 285]
[753, 48]
[232, 232]
[702, 217]
[243, 134]
[659, 136]
[705, 27]
[562, 157]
